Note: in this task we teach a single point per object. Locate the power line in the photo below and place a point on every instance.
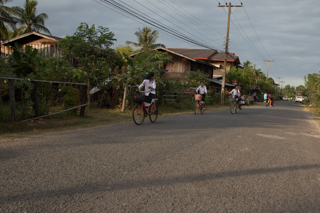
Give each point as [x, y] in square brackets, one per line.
[256, 33]
[247, 35]
[130, 17]
[169, 20]
[147, 19]
[188, 19]
[197, 23]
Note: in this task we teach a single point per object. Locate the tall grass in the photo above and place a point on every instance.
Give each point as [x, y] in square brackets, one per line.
[5, 115]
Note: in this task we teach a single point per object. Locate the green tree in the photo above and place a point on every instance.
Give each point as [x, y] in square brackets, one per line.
[245, 77]
[88, 49]
[289, 91]
[25, 65]
[16, 32]
[247, 64]
[193, 78]
[124, 50]
[146, 39]
[27, 16]
[135, 70]
[312, 82]
[5, 12]
[301, 90]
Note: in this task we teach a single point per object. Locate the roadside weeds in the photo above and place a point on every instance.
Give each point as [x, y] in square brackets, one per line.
[315, 111]
[93, 117]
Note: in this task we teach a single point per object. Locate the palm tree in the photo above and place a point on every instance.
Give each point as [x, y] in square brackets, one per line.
[247, 64]
[16, 32]
[27, 16]
[5, 12]
[146, 39]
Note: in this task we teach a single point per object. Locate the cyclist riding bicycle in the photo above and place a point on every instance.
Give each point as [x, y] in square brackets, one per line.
[149, 85]
[269, 99]
[202, 90]
[236, 95]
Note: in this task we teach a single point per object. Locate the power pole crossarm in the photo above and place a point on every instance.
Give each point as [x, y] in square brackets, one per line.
[226, 49]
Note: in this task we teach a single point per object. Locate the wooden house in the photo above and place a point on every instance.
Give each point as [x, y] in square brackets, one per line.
[187, 60]
[181, 64]
[212, 57]
[44, 43]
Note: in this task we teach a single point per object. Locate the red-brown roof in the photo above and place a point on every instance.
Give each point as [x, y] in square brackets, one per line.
[195, 53]
[206, 54]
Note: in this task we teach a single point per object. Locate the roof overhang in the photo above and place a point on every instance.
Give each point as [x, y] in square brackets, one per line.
[29, 37]
[220, 82]
[175, 53]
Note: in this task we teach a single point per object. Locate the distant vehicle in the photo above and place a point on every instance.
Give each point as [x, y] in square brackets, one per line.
[285, 98]
[299, 99]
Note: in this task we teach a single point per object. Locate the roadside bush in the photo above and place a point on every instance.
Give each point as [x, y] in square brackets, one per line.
[70, 98]
[5, 114]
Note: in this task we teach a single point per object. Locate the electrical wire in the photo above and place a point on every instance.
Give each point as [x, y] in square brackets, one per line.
[169, 20]
[147, 19]
[232, 45]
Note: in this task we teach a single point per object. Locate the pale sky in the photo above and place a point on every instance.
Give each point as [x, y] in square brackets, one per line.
[285, 31]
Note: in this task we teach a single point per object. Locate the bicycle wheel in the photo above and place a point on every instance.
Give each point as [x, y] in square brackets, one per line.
[201, 109]
[153, 112]
[138, 114]
[236, 108]
[196, 108]
[232, 107]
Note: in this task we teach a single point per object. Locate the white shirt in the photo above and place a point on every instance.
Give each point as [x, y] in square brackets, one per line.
[235, 92]
[147, 84]
[203, 90]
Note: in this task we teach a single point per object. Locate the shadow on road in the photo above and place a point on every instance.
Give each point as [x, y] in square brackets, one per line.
[101, 187]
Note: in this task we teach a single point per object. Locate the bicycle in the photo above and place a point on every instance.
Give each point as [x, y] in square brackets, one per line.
[234, 106]
[199, 107]
[140, 110]
[268, 103]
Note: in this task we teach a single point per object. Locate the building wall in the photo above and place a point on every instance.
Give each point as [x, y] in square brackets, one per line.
[178, 67]
[48, 47]
[220, 70]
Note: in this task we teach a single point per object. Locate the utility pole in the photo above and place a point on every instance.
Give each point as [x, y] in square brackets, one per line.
[281, 85]
[226, 49]
[268, 68]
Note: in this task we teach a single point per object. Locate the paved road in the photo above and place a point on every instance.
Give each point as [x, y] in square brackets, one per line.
[260, 160]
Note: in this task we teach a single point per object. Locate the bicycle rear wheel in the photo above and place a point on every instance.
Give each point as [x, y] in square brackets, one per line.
[138, 114]
[196, 109]
[232, 107]
[153, 112]
[201, 109]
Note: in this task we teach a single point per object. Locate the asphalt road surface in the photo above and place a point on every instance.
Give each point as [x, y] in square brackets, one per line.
[263, 159]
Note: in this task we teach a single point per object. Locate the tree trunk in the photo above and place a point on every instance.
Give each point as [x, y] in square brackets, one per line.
[83, 101]
[34, 98]
[88, 93]
[124, 98]
[12, 100]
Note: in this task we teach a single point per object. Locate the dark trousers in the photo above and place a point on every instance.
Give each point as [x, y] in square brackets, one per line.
[149, 98]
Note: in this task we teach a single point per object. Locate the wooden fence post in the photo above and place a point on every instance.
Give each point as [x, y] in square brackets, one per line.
[12, 100]
[34, 98]
[124, 98]
[83, 101]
